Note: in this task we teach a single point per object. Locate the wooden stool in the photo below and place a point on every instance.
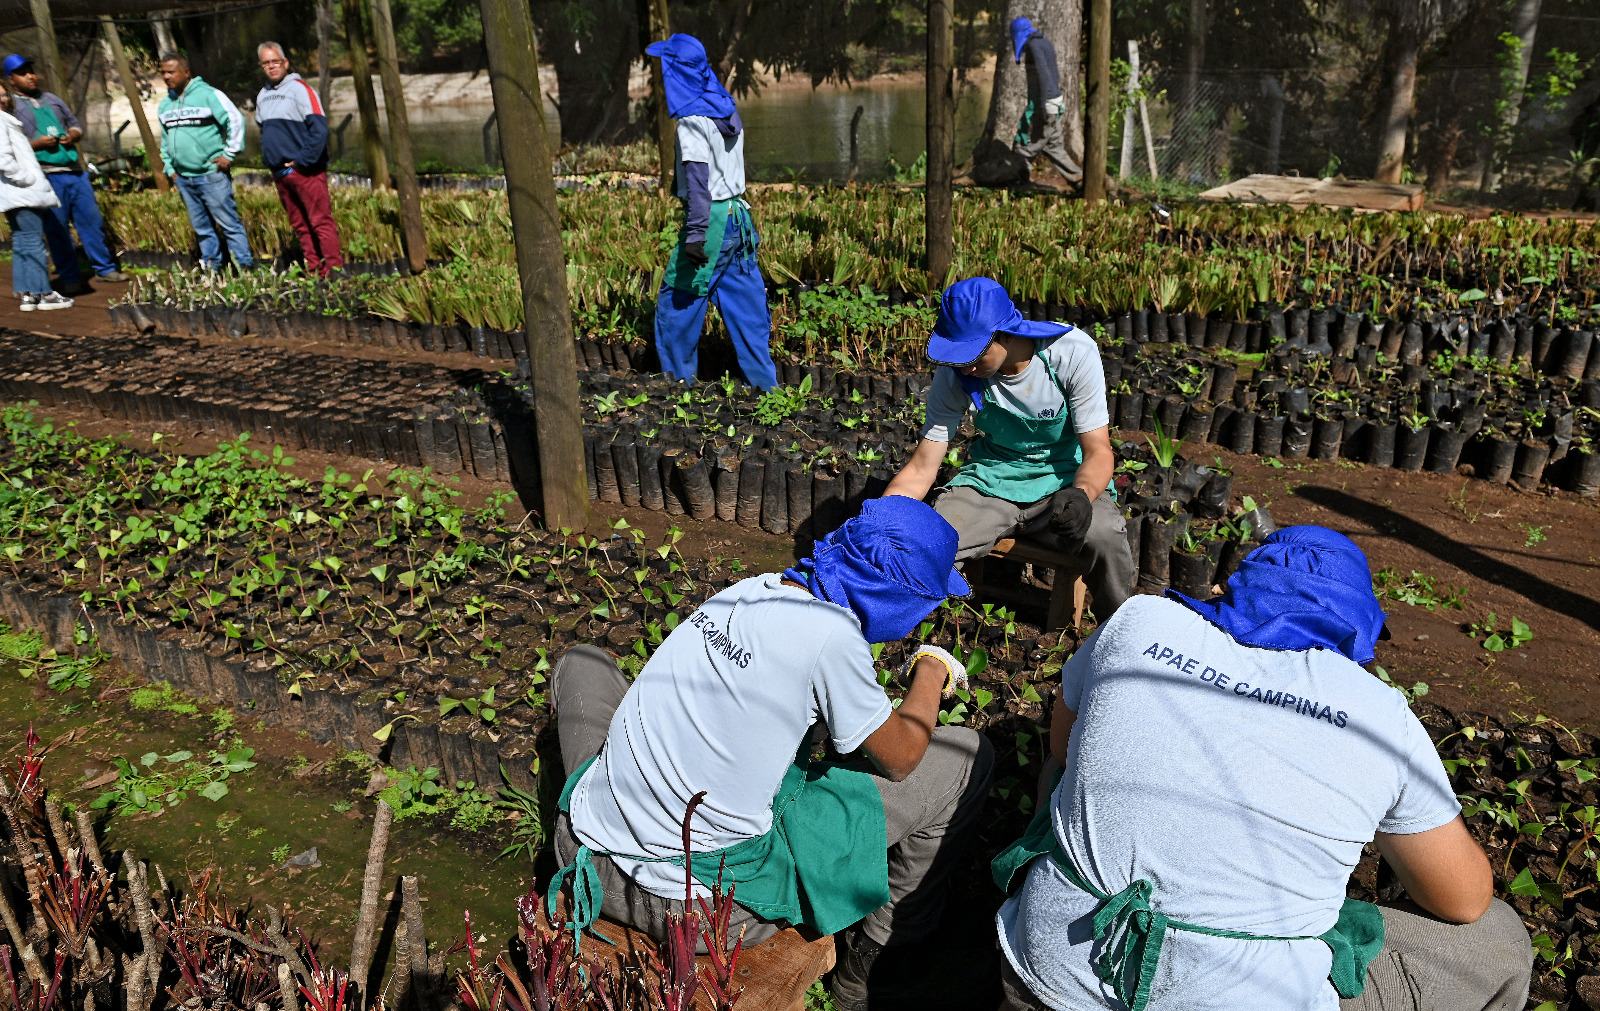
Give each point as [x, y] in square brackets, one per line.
[1067, 592]
[775, 974]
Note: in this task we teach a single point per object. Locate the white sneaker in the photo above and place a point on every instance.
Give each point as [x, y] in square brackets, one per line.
[54, 300]
[29, 302]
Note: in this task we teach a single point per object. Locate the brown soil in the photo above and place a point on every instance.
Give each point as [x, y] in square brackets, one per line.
[1473, 535]
[1462, 532]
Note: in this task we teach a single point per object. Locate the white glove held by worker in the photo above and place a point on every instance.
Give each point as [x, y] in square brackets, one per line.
[955, 671]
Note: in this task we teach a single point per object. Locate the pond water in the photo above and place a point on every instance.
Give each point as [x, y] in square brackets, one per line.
[791, 132]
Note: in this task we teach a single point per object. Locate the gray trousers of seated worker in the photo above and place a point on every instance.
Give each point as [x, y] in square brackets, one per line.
[1104, 557]
[929, 815]
[1426, 965]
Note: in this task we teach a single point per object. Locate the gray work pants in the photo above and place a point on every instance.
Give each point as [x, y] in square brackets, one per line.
[1106, 563]
[1426, 965]
[929, 815]
[1045, 137]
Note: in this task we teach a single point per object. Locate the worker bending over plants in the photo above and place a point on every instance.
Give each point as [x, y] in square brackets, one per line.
[1043, 465]
[726, 707]
[715, 259]
[1225, 763]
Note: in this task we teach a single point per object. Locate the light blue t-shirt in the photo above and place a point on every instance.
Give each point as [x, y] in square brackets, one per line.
[722, 707]
[1243, 784]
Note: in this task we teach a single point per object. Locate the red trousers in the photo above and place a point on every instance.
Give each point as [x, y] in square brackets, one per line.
[305, 198]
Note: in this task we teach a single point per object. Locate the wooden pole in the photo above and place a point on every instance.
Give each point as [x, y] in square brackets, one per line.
[541, 263]
[659, 28]
[403, 169]
[938, 194]
[1099, 100]
[152, 145]
[48, 58]
[355, 42]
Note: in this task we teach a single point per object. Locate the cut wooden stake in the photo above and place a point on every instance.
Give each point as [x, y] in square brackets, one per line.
[58, 829]
[417, 941]
[371, 882]
[86, 837]
[287, 989]
[13, 927]
[139, 885]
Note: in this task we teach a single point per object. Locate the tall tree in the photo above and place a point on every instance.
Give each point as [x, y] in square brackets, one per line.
[1061, 21]
[938, 197]
[1412, 25]
[541, 261]
[592, 44]
[355, 43]
[1524, 27]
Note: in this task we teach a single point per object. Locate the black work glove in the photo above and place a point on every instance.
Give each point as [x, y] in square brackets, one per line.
[1070, 513]
[696, 252]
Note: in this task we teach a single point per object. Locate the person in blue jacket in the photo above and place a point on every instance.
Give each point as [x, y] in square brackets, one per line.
[1039, 132]
[715, 260]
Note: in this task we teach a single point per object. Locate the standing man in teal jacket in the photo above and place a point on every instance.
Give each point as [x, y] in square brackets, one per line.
[201, 134]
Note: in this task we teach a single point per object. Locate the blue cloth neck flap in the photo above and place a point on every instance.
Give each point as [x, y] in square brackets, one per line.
[692, 86]
[1021, 31]
[1304, 587]
[891, 566]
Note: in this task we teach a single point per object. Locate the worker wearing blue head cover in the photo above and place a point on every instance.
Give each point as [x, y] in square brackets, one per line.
[1043, 463]
[1223, 765]
[1039, 132]
[715, 259]
[727, 707]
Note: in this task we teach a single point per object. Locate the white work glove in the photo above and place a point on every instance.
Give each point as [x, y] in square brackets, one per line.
[955, 672]
[1055, 107]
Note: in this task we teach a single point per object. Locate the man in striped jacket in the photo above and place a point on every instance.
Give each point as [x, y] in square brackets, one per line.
[294, 146]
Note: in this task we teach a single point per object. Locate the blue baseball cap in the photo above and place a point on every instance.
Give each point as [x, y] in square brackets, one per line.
[971, 312]
[16, 62]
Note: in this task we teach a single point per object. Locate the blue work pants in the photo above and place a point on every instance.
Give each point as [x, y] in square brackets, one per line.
[78, 208]
[209, 199]
[29, 274]
[740, 296]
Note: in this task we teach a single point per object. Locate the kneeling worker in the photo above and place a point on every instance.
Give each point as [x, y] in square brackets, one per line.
[1044, 464]
[726, 706]
[1225, 763]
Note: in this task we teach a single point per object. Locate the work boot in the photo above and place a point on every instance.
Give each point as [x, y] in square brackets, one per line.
[850, 975]
[113, 277]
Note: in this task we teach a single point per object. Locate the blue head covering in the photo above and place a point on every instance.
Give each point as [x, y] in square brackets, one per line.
[1021, 29]
[1304, 587]
[692, 86]
[890, 566]
[971, 311]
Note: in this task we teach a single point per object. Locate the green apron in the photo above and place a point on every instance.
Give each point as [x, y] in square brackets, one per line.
[1022, 459]
[48, 125]
[682, 273]
[1133, 933]
[824, 862]
[1025, 125]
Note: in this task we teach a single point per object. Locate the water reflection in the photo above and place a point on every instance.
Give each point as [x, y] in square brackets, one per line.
[791, 132]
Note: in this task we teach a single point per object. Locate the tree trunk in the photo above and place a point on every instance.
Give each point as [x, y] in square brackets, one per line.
[163, 33]
[1098, 127]
[1397, 119]
[1061, 21]
[404, 168]
[361, 946]
[152, 148]
[325, 52]
[48, 57]
[355, 43]
[1445, 141]
[541, 263]
[1194, 58]
[592, 70]
[1524, 25]
[937, 193]
[730, 54]
[660, 27]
